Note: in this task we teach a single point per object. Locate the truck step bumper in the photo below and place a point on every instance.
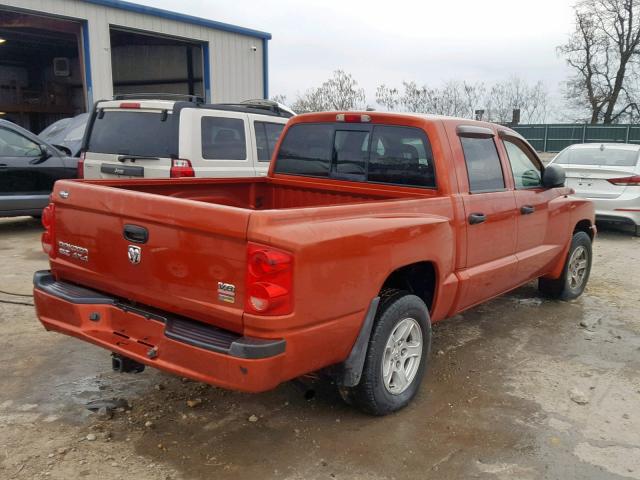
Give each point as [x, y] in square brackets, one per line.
[159, 339]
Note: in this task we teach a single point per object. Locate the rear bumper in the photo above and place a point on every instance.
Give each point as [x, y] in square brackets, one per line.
[624, 209]
[171, 343]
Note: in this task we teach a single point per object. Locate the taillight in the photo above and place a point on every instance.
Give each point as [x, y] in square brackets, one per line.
[80, 173]
[353, 118]
[48, 236]
[626, 181]
[269, 281]
[134, 105]
[181, 168]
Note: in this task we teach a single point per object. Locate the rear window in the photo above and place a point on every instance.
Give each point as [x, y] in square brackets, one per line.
[607, 156]
[134, 133]
[380, 153]
[223, 139]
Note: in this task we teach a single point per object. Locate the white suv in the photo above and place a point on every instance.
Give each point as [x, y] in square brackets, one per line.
[136, 136]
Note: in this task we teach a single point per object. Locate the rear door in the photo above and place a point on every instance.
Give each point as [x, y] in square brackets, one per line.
[218, 143]
[490, 211]
[131, 142]
[265, 134]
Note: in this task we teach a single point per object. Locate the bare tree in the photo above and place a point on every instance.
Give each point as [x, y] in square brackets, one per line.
[340, 92]
[388, 97]
[515, 94]
[312, 100]
[280, 99]
[604, 52]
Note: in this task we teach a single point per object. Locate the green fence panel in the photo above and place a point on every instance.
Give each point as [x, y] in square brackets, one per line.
[554, 137]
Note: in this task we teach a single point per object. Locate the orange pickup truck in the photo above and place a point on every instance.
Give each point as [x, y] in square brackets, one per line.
[369, 227]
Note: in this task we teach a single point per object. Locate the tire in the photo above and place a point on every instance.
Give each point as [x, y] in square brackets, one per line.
[637, 231]
[574, 278]
[407, 317]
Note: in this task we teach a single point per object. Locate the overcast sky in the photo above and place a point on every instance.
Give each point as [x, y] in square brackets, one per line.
[387, 42]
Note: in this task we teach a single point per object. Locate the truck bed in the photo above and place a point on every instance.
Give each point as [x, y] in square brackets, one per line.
[260, 193]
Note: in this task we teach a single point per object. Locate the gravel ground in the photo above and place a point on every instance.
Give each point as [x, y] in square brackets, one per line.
[520, 387]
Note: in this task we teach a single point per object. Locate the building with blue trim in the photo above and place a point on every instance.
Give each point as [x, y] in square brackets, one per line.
[60, 56]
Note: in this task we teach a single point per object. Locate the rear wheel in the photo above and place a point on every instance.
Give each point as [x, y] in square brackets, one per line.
[575, 274]
[396, 357]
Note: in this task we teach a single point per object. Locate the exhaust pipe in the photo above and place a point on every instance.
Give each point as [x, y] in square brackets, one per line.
[123, 364]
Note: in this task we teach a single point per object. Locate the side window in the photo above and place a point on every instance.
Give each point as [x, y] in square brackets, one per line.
[267, 135]
[483, 164]
[402, 156]
[526, 172]
[15, 145]
[223, 139]
[306, 150]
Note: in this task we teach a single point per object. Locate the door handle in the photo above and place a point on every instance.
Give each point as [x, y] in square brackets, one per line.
[136, 233]
[476, 218]
[527, 209]
[3, 166]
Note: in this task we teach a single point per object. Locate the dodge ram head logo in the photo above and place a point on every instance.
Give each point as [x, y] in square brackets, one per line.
[135, 254]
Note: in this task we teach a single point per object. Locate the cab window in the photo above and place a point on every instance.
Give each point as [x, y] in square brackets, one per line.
[526, 172]
[483, 164]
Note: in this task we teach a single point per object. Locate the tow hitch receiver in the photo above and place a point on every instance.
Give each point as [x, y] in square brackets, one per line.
[123, 364]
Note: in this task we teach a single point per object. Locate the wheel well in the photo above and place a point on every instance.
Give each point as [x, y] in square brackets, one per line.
[418, 278]
[584, 226]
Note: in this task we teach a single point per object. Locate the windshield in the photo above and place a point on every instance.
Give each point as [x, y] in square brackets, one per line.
[604, 156]
[138, 133]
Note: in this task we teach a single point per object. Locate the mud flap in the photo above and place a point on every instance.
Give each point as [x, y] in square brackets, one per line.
[349, 372]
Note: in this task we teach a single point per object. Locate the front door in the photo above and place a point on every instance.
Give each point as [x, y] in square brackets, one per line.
[20, 186]
[536, 245]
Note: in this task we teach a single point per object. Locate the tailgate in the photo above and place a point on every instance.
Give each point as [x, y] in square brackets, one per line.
[190, 246]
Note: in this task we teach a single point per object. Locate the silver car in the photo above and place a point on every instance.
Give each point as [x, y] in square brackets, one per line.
[609, 175]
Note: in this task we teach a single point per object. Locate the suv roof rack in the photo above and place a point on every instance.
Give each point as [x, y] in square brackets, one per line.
[261, 104]
[160, 96]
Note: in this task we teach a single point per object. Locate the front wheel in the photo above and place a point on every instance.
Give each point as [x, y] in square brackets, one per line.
[396, 357]
[575, 274]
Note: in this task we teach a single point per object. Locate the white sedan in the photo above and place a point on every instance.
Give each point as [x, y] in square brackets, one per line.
[609, 175]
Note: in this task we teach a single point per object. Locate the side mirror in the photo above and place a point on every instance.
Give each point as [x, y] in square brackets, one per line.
[65, 150]
[44, 153]
[553, 176]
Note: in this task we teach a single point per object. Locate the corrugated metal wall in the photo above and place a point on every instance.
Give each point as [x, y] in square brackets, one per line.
[555, 137]
[236, 69]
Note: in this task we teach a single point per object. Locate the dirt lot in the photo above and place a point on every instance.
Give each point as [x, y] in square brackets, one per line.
[518, 388]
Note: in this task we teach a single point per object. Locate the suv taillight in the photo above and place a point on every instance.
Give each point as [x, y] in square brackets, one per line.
[80, 173]
[181, 168]
[48, 236]
[269, 281]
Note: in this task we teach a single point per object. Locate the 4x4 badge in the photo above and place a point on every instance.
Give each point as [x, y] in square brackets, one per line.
[135, 254]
